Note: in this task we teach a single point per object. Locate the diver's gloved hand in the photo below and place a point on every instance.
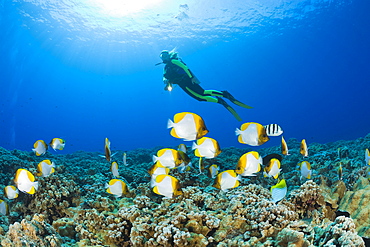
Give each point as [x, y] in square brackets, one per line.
[168, 86]
[195, 80]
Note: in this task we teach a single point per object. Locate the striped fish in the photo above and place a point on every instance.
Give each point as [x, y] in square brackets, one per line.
[273, 130]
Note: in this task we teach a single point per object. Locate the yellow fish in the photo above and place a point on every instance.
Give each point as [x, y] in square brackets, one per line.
[40, 147]
[248, 164]
[284, 147]
[272, 169]
[253, 134]
[45, 168]
[11, 192]
[188, 126]
[340, 171]
[213, 170]
[305, 168]
[124, 159]
[114, 169]
[186, 162]
[367, 157]
[303, 149]
[57, 143]
[226, 180]
[206, 147]
[156, 170]
[25, 181]
[107, 149]
[4, 208]
[116, 187]
[166, 185]
[279, 191]
[168, 157]
[182, 147]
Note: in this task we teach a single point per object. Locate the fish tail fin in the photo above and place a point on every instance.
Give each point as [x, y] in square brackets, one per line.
[154, 158]
[152, 182]
[194, 146]
[36, 185]
[170, 124]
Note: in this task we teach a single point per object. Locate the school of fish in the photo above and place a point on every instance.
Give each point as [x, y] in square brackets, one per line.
[188, 127]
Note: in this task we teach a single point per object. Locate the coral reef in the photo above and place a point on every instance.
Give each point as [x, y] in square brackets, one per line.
[341, 232]
[357, 203]
[72, 208]
[35, 232]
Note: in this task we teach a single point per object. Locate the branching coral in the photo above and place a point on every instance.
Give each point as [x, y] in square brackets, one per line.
[53, 198]
[342, 232]
[308, 201]
[32, 233]
[357, 202]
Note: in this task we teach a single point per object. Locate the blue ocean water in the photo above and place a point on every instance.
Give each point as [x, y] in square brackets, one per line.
[84, 70]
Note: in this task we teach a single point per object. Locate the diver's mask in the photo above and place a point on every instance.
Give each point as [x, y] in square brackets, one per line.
[165, 56]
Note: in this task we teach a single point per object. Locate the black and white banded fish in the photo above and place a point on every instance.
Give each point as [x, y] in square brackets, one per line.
[273, 130]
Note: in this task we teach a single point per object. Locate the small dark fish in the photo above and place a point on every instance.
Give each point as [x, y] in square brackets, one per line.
[267, 158]
[342, 213]
[367, 241]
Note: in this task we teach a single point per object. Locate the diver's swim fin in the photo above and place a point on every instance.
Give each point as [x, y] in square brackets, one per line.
[229, 108]
[232, 111]
[236, 102]
[228, 96]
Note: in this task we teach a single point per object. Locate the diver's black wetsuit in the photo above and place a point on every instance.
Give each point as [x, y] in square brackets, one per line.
[176, 72]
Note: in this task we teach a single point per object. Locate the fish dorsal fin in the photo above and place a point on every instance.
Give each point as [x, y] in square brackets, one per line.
[30, 176]
[160, 178]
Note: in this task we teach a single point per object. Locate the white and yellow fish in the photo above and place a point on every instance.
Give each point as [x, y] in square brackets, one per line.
[40, 147]
[156, 170]
[249, 163]
[166, 185]
[367, 157]
[4, 208]
[303, 149]
[45, 168]
[168, 157]
[124, 158]
[25, 181]
[116, 187]
[279, 191]
[284, 147]
[272, 169]
[11, 192]
[227, 180]
[273, 130]
[206, 147]
[57, 144]
[213, 170]
[114, 169]
[253, 134]
[187, 126]
[305, 168]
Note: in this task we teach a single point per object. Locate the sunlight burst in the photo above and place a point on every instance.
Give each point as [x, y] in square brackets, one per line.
[119, 8]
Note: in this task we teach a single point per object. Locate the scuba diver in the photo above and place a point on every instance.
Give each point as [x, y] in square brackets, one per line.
[177, 73]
